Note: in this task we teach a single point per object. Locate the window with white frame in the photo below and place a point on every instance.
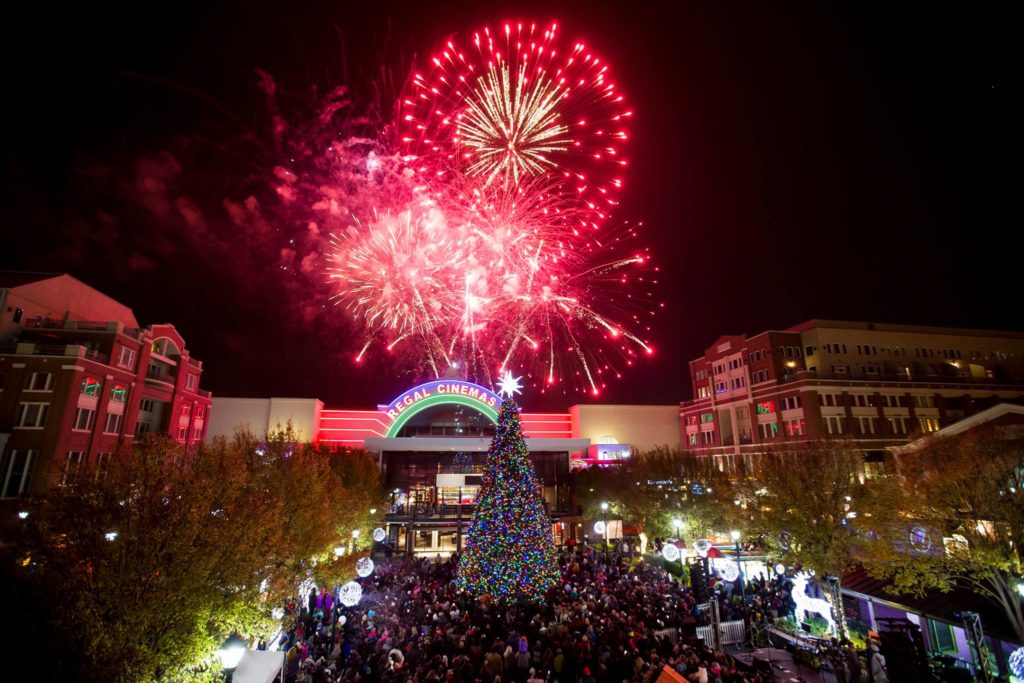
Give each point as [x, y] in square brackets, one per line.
[85, 418]
[834, 425]
[72, 464]
[126, 359]
[190, 382]
[113, 423]
[16, 473]
[795, 428]
[32, 415]
[182, 432]
[146, 405]
[867, 425]
[40, 381]
[897, 425]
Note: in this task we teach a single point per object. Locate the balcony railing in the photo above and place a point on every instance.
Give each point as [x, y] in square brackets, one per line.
[72, 350]
[156, 374]
[205, 393]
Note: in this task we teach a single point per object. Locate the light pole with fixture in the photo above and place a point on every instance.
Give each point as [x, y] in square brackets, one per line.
[230, 654]
[739, 564]
[604, 509]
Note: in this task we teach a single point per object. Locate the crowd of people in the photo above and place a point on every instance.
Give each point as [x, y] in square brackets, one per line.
[608, 620]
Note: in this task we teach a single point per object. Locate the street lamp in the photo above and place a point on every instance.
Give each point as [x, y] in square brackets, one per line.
[230, 654]
[604, 509]
[739, 563]
[679, 525]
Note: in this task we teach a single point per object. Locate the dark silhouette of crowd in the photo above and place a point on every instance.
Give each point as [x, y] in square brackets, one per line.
[607, 621]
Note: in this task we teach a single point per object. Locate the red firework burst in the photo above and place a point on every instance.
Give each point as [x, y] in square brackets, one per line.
[520, 103]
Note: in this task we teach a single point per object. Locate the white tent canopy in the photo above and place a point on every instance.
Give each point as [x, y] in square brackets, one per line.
[259, 666]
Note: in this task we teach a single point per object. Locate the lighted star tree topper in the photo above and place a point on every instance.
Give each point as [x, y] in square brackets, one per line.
[509, 551]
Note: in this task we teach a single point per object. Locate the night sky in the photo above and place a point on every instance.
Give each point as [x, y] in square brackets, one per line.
[790, 161]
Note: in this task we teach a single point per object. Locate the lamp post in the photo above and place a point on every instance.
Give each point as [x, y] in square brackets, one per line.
[680, 525]
[604, 509]
[739, 563]
[230, 654]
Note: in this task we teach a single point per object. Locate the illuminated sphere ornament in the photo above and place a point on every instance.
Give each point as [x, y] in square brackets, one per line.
[670, 552]
[378, 534]
[730, 571]
[364, 567]
[780, 569]
[599, 528]
[351, 593]
[702, 546]
[1017, 662]
[920, 540]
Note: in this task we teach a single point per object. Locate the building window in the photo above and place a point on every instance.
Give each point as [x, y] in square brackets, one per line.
[834, 425]
[16, 470]
[40, 381]
[765, 407]
[146, 405]
[720, 387]
[32, 415]
[709, 437]
[113, 424]
[795, 428]
[867, 425]
[84, 419]
[200, 411]
[190, 382]
[142, 427]
[808, 351]
[91, 386]
[182, 432]
[102, 466]
[707, 418]
[929, 424]
[186, 409]
[769, 430]
[924, 401]
[72, 464]
[119, 393]
[18, 313]
[897, 425]
[127, 358]
[693, 439]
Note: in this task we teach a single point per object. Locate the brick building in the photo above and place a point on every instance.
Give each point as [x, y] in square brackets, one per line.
[881, 385]
[78, 375]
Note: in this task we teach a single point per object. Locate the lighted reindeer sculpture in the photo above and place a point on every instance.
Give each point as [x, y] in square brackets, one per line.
[806, 606]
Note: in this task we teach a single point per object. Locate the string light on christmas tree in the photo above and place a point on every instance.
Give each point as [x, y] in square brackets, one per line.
[509, 549]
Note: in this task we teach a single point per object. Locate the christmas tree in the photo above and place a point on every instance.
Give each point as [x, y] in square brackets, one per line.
[509, 551]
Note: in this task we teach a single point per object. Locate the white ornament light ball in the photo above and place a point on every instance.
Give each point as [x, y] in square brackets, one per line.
[364, 567]
[780, 569]
[350, 594]
[378, 534]
[670, 552]
[1017, 662]
[599, 527]
[342, 619]
[730, 571]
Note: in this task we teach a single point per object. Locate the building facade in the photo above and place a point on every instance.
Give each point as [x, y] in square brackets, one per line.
[431, 444]
[79, 376]
[877, 384]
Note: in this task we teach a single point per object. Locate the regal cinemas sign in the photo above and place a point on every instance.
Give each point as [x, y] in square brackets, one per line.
[442, 391]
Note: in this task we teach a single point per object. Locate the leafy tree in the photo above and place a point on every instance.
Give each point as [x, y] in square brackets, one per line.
[961, 521]
[652, 489]
[143, 569]
[806, 502]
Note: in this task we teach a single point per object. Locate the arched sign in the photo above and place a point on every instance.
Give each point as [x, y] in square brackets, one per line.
[441, 392]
